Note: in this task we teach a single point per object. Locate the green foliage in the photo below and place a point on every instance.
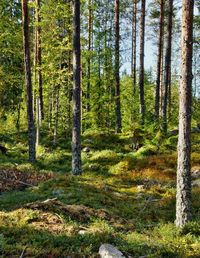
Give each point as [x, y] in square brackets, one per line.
[138, 196]
[11, 58]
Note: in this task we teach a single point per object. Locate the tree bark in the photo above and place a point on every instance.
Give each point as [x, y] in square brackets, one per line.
[117, 65]
[141, 73]
[29, 96]
[167, 71]
[159, 60]
[183, 196]
[39, 57]
[37, 121]
[56, 115]
[76, 127]
[134, 44]
[89, 53]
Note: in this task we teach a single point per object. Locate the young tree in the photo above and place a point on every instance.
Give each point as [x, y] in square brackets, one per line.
[141, 72]
[27, 65]
[39, 57]
[134, 44]
[117, 65]
[89, 51]
[183, 196]
[167, 70]
[76, 126]
[159, 60]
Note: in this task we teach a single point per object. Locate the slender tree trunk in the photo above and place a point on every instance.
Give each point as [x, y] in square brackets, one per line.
[27, 64]
[37, 121]
[50, 107]
[69, 94]
[117, 65]
[89, 58]
[56, 116]
[161, 80]
[183, 196]
[18, 117]
[76, 127]
[167, 71]
[39, 57]
[141, 73]
[34, 69]
[169, 92]
[159, 66]
[134, 44]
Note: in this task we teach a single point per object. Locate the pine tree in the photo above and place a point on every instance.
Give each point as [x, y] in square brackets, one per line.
[141, 72]
[27, 64]
[76, 127]
[134, 44]
[39, 57]
[183, 196]
[117, 65]
[167, 70]
[159, 60]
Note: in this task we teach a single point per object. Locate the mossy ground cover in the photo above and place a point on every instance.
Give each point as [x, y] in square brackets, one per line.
[124, 198]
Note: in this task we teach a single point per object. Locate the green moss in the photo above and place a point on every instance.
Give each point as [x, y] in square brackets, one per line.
[136, 190]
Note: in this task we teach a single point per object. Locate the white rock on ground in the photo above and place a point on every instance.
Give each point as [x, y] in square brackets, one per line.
[195, 172]
[109, 251]
[86, 149]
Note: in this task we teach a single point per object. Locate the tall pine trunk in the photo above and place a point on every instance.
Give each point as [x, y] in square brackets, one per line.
[89, 54]
[56, 115]
[159, 61]
[183, 196]
[134, 44]
[117, 64]
[141, 72]
[39, 57]
[76, 126]
[167, 71]
[29, 96]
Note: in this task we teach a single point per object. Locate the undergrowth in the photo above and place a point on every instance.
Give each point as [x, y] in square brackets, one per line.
[135, 188]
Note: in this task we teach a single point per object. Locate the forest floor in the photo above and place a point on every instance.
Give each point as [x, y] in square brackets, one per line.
[124, 198]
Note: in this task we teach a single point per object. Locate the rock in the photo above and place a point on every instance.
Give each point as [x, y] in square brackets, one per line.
[109, 251]
[141, 187]
[94, 167]
[82, 232]
[86, 149]
[195, 173]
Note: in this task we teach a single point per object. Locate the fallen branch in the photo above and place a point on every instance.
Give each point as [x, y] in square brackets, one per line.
[22, 254]
[17, 181]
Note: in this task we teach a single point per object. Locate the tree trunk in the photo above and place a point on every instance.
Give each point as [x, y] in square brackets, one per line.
[89, 58]
[117, 77]
[50, 97]
[183, 196]
[167, 72]
[76, 127]
[134, 44]
[37, 121]
[29, 96]
[56, 116]
[39, 58]
[159, 65]
[18, 117]
[141, 73]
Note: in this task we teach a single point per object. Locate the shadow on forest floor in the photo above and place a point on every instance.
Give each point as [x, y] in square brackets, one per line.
[137, 194]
